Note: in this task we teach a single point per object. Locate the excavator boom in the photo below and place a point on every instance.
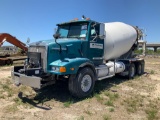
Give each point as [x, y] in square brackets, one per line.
[13, 40]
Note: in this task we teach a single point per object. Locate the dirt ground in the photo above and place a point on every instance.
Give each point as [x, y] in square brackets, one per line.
[113, 99]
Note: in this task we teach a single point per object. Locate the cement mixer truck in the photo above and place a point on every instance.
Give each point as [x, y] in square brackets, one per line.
[81, 52]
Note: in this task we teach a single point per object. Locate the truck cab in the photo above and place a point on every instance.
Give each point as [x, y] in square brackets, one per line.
[87, 35]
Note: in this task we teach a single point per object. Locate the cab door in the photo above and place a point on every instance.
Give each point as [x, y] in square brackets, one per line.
[96, 44]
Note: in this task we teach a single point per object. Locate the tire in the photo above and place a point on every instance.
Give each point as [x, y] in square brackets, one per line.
[132, 71]
[143, 67]
[82, 84]
[11, 62]
[139, 70]
[8, 62]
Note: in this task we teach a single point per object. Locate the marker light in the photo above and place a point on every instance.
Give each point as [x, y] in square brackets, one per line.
[62, 69]
[72, 69]
[87, 18]
[75, 19]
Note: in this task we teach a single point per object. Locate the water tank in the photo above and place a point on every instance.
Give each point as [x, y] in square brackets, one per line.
[120, 37]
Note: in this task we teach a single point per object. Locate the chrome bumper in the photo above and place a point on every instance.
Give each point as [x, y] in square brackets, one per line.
[31, 81]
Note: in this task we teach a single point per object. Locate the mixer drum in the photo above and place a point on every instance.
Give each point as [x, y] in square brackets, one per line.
[119, 39]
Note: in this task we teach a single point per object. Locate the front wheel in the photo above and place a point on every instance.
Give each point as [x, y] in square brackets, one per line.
[82, 84]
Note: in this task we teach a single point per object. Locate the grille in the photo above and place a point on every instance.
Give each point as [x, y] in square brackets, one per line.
[43, 51]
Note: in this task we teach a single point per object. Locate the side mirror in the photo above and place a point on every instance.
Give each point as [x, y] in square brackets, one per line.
[55, 30]
[101, 31]
[101, 36]
[56, 36]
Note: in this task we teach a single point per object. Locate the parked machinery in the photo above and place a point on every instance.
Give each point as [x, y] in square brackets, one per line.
[13, 40]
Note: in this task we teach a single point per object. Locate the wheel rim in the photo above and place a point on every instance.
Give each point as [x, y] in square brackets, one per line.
[139, 69]
[86, 83]
[132, 71]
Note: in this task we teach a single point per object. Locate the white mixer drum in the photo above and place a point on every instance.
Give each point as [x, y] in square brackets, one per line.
[119, 39]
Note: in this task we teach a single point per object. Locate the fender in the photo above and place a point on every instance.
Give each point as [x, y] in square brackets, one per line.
[90, 64]
[72, 65]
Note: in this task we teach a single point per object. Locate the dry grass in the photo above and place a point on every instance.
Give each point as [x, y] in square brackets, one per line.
[113, 99]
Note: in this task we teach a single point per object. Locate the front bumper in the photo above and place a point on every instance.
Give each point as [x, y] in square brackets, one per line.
[31, 81]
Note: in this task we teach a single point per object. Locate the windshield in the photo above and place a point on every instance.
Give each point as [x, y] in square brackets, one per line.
[73, 30]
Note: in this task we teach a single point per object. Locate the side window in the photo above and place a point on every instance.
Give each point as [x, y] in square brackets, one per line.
[94, 30]
[83, 31]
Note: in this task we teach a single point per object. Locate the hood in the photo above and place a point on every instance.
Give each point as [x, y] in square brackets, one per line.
[70, 47]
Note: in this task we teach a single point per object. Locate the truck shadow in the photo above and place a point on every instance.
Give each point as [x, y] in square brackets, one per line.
[59, 92]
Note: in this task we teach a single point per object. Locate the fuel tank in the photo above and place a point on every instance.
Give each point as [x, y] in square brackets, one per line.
[119, 39]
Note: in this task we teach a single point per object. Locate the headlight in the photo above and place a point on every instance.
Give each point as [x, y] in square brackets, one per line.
[59, 69]
[54, 68]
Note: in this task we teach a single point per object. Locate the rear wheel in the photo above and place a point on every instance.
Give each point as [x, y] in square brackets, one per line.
[139, 69]
[82, 84]
[132, 71]
[143, 64]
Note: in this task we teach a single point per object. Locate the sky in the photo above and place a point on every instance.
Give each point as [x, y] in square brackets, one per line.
[37, 19]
